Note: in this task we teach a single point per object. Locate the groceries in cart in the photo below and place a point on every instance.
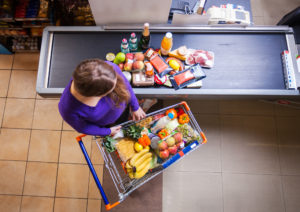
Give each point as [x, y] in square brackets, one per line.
[141, 64]
[149, 143]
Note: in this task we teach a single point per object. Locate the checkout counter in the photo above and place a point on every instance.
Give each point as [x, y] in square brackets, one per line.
[248, 61]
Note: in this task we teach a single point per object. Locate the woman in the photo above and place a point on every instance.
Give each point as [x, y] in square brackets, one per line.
[98, 96]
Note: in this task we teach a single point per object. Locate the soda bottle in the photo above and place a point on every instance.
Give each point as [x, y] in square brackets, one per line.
[166, 44]
[145, 39]
[124, 46]
[133, 42]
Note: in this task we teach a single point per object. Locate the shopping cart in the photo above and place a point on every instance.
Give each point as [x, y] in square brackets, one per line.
[124, 185]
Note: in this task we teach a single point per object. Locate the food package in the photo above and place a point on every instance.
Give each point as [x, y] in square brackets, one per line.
[140, 79]
[149, 53]
[125, 148]
[181, 53]
[161, 67]
[204, 58]
[184, 78]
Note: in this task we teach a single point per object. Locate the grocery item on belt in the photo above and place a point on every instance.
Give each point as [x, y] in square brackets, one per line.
[186, 77]
[149, 69]
[160, 65]
[140, 79]
[204, 58]
[149, 53]
[197, 84]
[181, 53]
[160, 80]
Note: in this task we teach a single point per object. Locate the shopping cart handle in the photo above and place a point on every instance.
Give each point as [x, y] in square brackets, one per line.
[108, 206]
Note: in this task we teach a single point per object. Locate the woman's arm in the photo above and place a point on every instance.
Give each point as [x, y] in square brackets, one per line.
[85, 127]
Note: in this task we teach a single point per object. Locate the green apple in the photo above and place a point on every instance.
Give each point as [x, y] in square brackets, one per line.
[170, 141]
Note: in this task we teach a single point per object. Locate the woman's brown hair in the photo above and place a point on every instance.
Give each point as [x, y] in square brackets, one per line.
[94, 77]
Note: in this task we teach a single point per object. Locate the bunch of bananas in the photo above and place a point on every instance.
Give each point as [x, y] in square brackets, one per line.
[139, 164]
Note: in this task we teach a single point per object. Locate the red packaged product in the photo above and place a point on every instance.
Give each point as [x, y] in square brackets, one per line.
[160, 65]
[183, 77]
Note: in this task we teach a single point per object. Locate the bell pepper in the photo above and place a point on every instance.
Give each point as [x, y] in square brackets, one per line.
[172, 111]
[144, 140]
[183, 118]
[180, 111]
[163, 133]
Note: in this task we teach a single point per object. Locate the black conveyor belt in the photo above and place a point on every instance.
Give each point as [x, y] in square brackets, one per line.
[242, 61]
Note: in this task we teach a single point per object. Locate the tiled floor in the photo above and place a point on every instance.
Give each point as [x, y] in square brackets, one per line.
[250, 163]
[41, 166]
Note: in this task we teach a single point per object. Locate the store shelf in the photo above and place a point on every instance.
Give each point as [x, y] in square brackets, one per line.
[7, 19]
[32, 26]
[26, 51]
[32, 19]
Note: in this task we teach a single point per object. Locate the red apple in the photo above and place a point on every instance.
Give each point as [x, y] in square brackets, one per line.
[162, 145]
[178, 137]
[138, 65]
[164, 154]
[173, 150]
[121, 66]
[139, 56]
[180, 145]
[128, 67]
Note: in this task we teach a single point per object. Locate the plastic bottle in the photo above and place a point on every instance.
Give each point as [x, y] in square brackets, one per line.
[133, 43]
[145, 39]
[166, 44]
[124, 46]
[161, 123]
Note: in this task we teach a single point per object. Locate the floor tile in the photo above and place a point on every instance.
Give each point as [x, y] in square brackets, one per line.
[258, 20]
[46, 115]
[198, 106]
[22, 84]
[40, 179]
[70, 151]
[10, 203]
[246, 107]
[93, 189]
[4, 76]
[12, 177]
[249, 145]
[72, 181]
[70, 205]
[94, 205]
[14, 144]
[44, 146]
[259, 193]
[18, 113]
[26, 61]
[6, 61]
[37, 204]
[189, 191]
[2, 105]
[288, 133]
[67, 127]
[96, 154]
[291, 190]
[208, 156]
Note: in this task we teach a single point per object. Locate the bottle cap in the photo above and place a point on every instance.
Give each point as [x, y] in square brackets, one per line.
[133, 35]
[124, 40]
[169, 35]
[171, 116]
[146, 24]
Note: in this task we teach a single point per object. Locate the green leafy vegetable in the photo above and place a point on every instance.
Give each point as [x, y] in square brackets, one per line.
[133, 131]
[109, 144]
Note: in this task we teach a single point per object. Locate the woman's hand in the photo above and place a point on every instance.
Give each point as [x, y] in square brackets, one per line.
[115, 130]
[138, 115]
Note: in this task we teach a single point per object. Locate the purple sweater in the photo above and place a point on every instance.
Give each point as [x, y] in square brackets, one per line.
[92, 120]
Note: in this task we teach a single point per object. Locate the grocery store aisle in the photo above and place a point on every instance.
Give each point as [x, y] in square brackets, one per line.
[41, 166]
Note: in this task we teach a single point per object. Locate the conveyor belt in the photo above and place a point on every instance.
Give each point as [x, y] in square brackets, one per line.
[242, 61]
